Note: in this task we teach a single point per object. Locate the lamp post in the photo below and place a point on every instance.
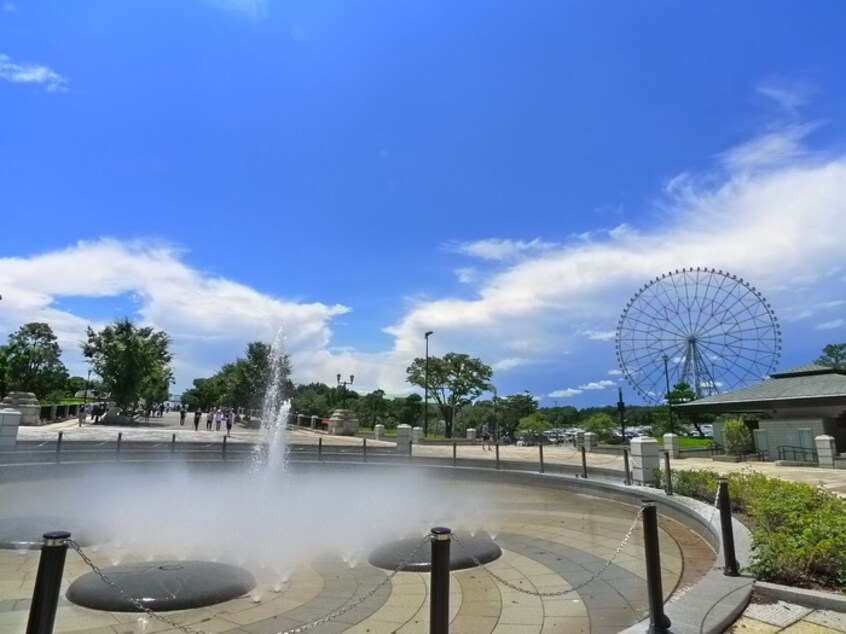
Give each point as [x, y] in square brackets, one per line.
[343, 385]
[85, 396]
[426, 336]
[669, 403]
[621, 408]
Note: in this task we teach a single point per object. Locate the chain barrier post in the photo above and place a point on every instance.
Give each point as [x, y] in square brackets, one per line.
[540, 456]
[223, 451]
[117, 449]
[668, 488]
[364, 448]
[454, 454]
[410, 445]
[320, 449]
[731, 565]
[439, 580]
[658, 621]
[59, 446]
[45, 596]
[584, 462]
[497, 455]
[628, 476]
[173, 443]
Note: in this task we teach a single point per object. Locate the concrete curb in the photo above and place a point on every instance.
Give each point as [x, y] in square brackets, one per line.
[806, 598]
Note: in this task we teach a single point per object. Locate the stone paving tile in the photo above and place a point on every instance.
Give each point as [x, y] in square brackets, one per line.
[806, 627]
[827, 618]
[779, 613]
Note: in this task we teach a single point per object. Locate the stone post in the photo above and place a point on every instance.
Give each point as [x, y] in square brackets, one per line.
[403, 438]
[300, 420]
[314, 421]
[416, 435]
[590, 441]
[378, 431]
[671, 445]
[644, 460]
[26, 404]
[826, 451]
[471, 434]
[580, 439]
[10, 419]
[54, 412]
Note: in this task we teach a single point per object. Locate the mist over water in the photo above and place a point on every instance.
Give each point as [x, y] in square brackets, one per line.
[270, 452]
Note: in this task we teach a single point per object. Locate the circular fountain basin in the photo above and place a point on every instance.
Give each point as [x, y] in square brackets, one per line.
[409, 555]
[161, 586]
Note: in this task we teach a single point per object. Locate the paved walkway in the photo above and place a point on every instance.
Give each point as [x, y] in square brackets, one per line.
[761, 616]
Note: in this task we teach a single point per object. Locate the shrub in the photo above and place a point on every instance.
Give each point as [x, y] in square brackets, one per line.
[736, 437]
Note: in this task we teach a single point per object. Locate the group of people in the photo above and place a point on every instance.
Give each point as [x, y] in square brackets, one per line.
[214, 416]
[94, 410]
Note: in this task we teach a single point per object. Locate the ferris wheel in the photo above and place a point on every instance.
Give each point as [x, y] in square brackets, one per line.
[703, 327]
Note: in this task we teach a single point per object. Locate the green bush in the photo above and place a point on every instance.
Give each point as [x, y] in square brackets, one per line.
[736, 437]
[798, 531]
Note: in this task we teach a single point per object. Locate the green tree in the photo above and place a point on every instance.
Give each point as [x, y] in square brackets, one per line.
[512, 409]
[408, 410]
[314, 399]
[4, 366]
[833, 356]
[129, 360]
[602, 424]
[531, 427]
[454, 381]
[33, 361]
[371, 408]
[74, 384]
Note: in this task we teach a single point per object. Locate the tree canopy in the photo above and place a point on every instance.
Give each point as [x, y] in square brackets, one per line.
[32, 360]
[833, 356]
[454, 381]
[131, 361]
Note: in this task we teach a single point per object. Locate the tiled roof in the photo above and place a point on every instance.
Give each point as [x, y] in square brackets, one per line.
[805, 383]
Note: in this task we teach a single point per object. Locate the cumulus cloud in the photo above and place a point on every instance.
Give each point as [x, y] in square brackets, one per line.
[21, 73]
[566, 393]
[831, 325]
[597, 385]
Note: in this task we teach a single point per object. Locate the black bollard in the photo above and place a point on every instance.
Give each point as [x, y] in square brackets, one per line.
[497, 455]
[364, 448]
[173, 443]
[120, 438]
[454, 454]
[410, 445]
[223, 451]
[731, 565]
[628, 479]
[439, 580]
[658, 621]
[59, 445]
[668, 487]
[48, 581]
[540, 456]
[320, 448]
[584, 463]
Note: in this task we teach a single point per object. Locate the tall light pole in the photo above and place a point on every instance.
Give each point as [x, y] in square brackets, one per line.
[343, 385]
[669, 403]
[426, 336]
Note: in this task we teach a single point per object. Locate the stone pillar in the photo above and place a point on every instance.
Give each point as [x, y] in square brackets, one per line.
[590, 441]
[580, 439]
[26, 404]
[10, 419]
[54, 412]
[671, 445]
[403, 438]
[314, 421]
[416, 435]
[644, 460]
[378, 431]
[300, 420]
[826, 451]
[343, 423]
[471, 434]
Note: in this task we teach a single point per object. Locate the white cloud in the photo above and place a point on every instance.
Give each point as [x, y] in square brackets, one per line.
[566, 393]
[18, 73]
[789, 94]
[509, 364]
[769, 150]
[615, 372]
[501, 249]
[597, 385]
[600, 335]
[830, 325]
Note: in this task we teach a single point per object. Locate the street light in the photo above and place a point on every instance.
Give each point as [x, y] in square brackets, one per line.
[669, 403]
[426, 336]
[343, 385]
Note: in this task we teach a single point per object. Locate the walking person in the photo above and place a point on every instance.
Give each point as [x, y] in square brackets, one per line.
[486, 437]
[182, 413]
[230, 419]
[209, 417]
[218, 419]
[198, 414]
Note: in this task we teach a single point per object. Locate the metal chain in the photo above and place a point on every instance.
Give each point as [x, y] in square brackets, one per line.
[559, 593]
[362, 599]
[592, 463]
[134, 602]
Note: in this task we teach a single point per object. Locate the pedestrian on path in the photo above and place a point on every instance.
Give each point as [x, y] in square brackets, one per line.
[486, 437]
[209, 416]
[198, 414]
[182, 415]
[218, 419]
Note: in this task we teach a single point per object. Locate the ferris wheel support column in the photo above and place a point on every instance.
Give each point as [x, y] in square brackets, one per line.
[669, 401]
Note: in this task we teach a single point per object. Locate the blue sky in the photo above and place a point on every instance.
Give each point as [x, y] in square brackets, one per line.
[506, 174]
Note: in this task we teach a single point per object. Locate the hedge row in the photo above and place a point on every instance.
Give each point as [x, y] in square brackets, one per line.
[798, 531]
